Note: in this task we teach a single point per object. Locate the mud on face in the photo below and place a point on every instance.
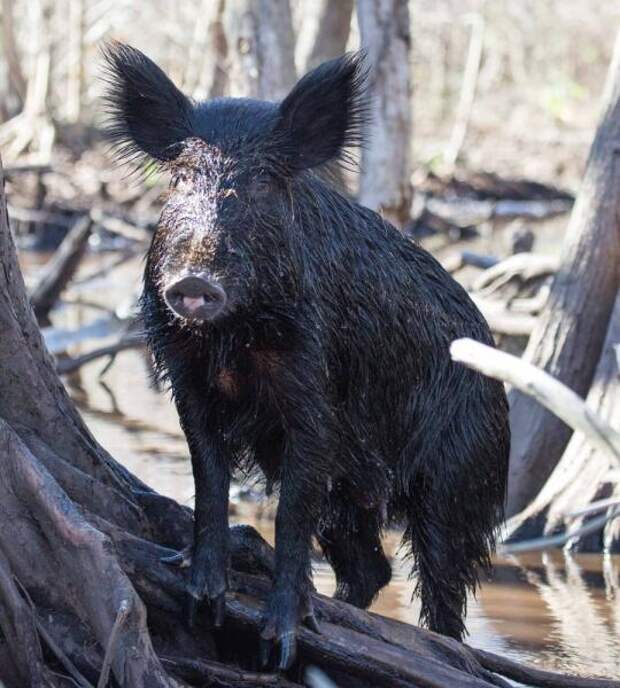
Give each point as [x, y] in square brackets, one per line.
[207, 246]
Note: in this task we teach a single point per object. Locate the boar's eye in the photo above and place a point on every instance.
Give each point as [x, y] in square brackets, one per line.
[181, 181]
[262, 184]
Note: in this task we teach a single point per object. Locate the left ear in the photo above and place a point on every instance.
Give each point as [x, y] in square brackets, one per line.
[325, 112]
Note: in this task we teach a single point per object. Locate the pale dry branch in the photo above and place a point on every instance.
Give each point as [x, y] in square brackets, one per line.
[545, 389]
[468, 89]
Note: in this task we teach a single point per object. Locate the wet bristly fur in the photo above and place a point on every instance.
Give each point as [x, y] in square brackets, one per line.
[329, 370]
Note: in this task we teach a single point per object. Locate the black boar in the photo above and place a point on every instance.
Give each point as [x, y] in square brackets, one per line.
[304, 335]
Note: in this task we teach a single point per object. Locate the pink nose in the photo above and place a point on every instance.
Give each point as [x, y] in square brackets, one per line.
[196, 297]
[193, 302]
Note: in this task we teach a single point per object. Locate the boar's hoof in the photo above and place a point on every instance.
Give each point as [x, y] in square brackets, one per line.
[216, 609]
[279, 629]
[182, 559]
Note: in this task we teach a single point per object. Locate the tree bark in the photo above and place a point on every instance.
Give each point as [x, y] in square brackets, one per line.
[569, 334]
[385, 182]
[260, 48]
[85, 595]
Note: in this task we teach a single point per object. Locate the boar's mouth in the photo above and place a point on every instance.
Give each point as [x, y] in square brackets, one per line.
[196, 297]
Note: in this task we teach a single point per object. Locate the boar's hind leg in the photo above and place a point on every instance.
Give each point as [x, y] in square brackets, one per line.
[350, 539]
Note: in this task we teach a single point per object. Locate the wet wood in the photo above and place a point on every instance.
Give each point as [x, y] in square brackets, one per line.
[583, 473]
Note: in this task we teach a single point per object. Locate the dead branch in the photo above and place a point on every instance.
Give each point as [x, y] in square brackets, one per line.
[68, 365]
[521, 268]
[504, 321]
[61, 268]
[555, 396]
[468, 89]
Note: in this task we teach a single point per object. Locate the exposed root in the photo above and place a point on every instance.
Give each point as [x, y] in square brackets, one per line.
[39, 519]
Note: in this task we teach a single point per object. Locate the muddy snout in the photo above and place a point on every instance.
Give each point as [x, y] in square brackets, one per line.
[196, 296]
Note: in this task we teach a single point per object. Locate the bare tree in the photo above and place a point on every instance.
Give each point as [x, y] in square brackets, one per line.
[205, 74]
[385, 183]
[260, 48]
[329, 24]
[569, 334]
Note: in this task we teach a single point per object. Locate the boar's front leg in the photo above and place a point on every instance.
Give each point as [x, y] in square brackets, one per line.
[289, 602]
[210, 552]
[304, 476]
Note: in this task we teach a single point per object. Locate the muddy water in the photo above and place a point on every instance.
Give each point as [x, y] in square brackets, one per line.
[556, 612]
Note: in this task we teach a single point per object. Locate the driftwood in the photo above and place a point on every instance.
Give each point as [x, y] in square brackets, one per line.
[569, 334]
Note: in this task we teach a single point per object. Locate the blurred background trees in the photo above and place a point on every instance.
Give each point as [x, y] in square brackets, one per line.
[535, 91]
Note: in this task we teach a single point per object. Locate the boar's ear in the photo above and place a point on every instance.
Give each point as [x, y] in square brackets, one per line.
[147, 115]
[325, 113]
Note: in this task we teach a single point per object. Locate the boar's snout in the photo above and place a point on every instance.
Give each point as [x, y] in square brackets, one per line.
[196, 297]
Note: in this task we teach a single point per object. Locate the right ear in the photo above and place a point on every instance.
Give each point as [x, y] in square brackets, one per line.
[147, 114]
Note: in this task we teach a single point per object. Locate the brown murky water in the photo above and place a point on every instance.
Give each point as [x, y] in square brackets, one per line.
[554, 611]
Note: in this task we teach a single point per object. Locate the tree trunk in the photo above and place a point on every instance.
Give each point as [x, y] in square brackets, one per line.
[205, 73]
[569, 334]
[385, 182]
[260, 47]
[583, 473]
[84, 594]
[328, 33]
[9, 44]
